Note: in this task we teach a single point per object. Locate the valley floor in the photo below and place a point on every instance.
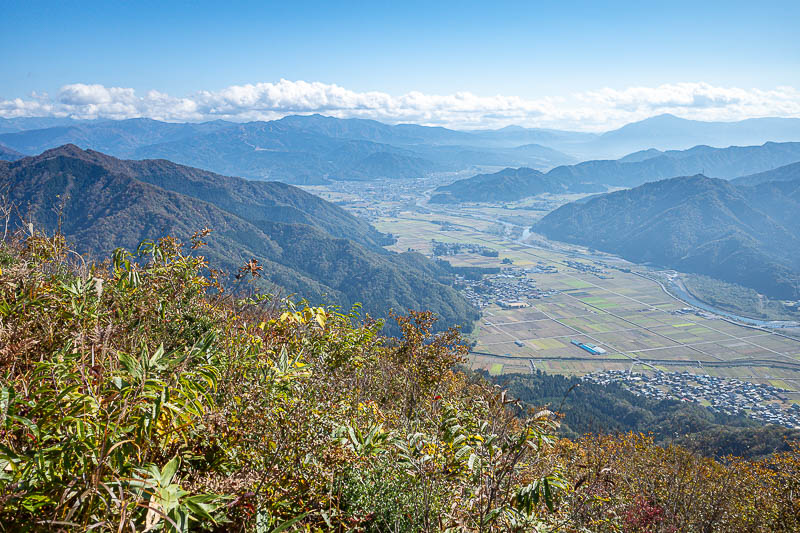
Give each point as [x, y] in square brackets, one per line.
[568, 295]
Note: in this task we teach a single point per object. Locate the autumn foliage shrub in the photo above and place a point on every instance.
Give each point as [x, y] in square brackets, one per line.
[137, 394]
[628, 483]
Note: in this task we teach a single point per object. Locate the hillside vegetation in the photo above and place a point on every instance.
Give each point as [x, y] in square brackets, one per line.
[785, 173]
[304, 244]
[743, 235]
[138, 395]
[512, 184]
[739, 300]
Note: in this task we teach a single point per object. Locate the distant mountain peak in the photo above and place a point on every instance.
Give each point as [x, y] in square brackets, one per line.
[68, 149]
[512, 127]
[666, 116]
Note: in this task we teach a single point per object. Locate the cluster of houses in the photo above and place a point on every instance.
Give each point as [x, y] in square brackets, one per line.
[584, 267]
[693, 311]
[588, 268]
[452, 248]
[765, 403]
[376, 199]
[510, 289]
[542, 268]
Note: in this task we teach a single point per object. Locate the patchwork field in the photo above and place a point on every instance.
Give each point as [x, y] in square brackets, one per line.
[638, 324]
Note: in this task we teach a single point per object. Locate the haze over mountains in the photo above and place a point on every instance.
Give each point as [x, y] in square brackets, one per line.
[749, 235]
[742, 235]
[8, 154]
[635, 169]
[725, 163]
[306, 245]
[668, 132]
[316, 149]
[295, 149]
[785, 173]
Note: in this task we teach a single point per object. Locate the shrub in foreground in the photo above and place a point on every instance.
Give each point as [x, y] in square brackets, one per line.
[136, 394]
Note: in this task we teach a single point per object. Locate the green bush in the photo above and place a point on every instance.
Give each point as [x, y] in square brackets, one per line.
[136, 394]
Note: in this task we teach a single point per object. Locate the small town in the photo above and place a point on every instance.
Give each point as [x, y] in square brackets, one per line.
[511, 288]
[589, 268]
[765, 403]
[452, 248]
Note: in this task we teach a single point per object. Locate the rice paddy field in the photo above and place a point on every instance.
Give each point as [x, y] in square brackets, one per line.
[638, 324]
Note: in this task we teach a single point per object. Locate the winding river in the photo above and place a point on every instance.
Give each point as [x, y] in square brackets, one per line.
[674, 289]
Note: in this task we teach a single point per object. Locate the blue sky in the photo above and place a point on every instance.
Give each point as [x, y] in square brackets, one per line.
[545, 51]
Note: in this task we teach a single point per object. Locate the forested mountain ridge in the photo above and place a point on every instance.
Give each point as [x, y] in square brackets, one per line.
[281, 151]
[789, 172]
[726, 163]
[306, 245]
[632, 170]
[305, 149]
[240, 416]
[315, 148]
[115, 137]
[9, 154]
[509, 184]
[694, 224]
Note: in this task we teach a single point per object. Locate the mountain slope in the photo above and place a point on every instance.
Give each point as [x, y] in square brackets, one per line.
[785, 173]
[632, 170]
[692, 224]
[12, 125]
[357, 129]
[314, 148]
[517, 135]
[9, 154]
[115, 137]
[668, 132]
[507, 185]
[714, 162]
[662, 132]
[641, 155]
[307, 246]
[279, 151]
[296, 149]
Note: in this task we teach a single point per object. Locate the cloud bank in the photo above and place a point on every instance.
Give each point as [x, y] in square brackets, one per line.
[592, 110]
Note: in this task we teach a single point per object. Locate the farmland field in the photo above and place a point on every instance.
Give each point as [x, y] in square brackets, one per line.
[639, 325]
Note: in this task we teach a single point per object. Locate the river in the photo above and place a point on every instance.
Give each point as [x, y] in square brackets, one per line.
[674, 290]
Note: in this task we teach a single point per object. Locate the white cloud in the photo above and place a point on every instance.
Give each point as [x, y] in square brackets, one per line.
[592, 110]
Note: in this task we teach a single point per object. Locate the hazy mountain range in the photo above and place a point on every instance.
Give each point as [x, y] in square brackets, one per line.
[748, 235]
[744, 231]
[316, 149]
[296, 149]
[785, 173]
[632, 170]
[668, 132]
[306, 245]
